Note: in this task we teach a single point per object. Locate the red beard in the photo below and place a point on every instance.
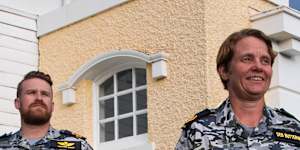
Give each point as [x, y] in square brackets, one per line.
[37, 114]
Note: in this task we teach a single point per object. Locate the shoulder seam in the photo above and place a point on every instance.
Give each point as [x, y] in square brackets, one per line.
[285, 113]
[71, 134]
[197, 116]
[5, 136]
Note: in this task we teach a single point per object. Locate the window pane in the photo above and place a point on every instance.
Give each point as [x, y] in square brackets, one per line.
[107, 132]
[124, 80]
[142, 124]
[106, 108]
[295, 4]
[141, 99]
[107, 87]
[140, 77]
[125, 127]
[125, 104]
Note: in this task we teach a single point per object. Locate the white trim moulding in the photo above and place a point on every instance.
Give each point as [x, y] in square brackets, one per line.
[280, 23]
[18, 12]
[90, 69]
[71, 13]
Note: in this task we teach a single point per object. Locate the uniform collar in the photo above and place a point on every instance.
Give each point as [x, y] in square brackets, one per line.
[273, 117]
[17, 138]
[226, 116]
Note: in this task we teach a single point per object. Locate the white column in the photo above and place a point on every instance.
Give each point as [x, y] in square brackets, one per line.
[282, 25]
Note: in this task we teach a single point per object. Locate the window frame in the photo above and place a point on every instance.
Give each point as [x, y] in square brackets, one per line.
[126, 142]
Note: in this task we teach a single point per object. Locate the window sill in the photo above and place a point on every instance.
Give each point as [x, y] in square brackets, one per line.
[130, 143]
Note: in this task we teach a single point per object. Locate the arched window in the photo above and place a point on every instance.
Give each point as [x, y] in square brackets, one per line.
[119, 97]
[122, 107]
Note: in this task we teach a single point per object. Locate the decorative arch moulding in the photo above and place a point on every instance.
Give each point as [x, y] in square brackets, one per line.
[94, 67]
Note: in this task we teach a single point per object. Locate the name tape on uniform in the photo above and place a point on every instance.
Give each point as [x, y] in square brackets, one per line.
[287, 136]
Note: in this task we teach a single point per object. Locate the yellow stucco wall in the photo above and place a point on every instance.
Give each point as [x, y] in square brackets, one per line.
[190, 31]
[77, 118]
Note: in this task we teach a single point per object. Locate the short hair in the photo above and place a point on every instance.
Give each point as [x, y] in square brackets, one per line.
[226, 50]
[31, 75]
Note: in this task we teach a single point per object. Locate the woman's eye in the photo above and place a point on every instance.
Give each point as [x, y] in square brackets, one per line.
[246, 59]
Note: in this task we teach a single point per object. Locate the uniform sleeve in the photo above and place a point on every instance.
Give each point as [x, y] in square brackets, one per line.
[185, 142]
[85, 145]
[5, 141]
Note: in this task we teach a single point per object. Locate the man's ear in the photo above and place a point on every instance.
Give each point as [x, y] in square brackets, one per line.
[17, 103]
[52, 107]
[223, 72]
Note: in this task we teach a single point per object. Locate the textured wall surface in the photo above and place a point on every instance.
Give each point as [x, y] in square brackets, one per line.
[78, 117]
[189, 30]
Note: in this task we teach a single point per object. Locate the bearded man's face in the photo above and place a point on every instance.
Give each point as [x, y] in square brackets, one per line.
[35, 102]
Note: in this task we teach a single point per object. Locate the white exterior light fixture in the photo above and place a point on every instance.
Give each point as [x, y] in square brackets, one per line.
[159, 69]
[68, 96]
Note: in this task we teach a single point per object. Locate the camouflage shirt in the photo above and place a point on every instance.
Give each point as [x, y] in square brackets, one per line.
[55, 139]
[218, 129]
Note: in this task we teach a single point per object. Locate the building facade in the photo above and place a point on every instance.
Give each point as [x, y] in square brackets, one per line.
[89, 58]
[128, 73]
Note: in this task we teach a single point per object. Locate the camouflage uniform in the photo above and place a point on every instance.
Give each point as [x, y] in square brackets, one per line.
[218, 129]
[55, 139]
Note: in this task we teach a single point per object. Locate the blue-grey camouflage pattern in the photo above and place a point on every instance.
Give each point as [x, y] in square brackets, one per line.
[219, 129]
[17, 142]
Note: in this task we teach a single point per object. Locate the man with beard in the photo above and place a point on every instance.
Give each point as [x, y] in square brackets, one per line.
[35, 104]
[243, 121]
